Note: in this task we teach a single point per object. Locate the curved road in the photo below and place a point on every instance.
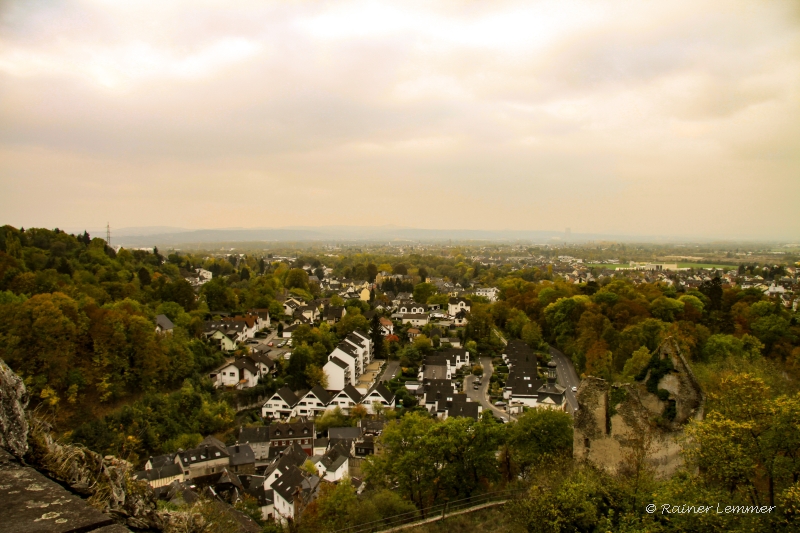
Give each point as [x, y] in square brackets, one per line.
[567, 377]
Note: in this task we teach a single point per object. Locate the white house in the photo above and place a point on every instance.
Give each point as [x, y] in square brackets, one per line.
[333, 465]
[314, 403]
[281, 404]
[293, 491]
[455, 305]
[380, 395]
[410, 308]
[241, 373]
[346, 399]
[415, 319]
[489, 293]
[387, 326]
[338, 373]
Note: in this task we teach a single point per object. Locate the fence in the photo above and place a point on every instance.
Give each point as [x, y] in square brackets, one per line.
[433, 513]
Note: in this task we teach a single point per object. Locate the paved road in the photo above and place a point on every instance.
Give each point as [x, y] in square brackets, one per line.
[567, 377]
[390, 371]
[482, 394]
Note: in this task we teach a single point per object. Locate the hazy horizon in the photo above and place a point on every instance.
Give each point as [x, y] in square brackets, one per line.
[666, 120]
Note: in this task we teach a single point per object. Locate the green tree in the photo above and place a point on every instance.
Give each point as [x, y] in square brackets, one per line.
[423, 291]
[539, 435]
[297, 278]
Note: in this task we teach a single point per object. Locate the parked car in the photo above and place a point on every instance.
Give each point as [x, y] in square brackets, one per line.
[270, 344]
[476, 386]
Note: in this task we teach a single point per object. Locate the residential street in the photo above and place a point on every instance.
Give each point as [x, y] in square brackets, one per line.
[390, 371]
[567, 376]
[481, 395]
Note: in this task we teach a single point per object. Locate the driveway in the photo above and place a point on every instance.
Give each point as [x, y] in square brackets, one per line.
[482, 394]
[567, 376]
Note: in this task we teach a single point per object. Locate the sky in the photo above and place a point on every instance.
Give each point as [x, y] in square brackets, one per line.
[620, 117]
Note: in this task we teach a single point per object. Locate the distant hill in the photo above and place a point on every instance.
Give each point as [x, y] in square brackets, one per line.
[160, 236]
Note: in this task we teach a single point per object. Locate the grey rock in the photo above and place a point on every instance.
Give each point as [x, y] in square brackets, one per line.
[13, 401]
[33, 503]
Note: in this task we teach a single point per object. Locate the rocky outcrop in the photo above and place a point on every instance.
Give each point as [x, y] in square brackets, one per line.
[13, 423]
[107, 482]
[618, 425]
[103, 495]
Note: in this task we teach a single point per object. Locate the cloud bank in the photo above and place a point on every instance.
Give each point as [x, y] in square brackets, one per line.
[607, 117]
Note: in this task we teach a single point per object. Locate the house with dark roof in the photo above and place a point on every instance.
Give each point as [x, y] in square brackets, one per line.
[415, 319]
[258, 439]
[280, 405]
[314, 403]
[254, 486]
[159, 461]
[293, 492]
[300, 434]
[242, 459]
[283, 461]
[164, 324]
[334, 314]
[242, 373]
[365, 446]
[457, 305]
[203, 460]
[346, 399]
[162, 475]
[462, 406]
[334, 464]
[378, 395]
[551, 395]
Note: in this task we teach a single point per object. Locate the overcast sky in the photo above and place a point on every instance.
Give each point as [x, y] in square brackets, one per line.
[642, 117]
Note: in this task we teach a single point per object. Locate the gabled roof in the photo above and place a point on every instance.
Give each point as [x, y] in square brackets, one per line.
[241, 454]
[162, 460]
[361, 334]
[338, 362]
[351, 392]
[254, 434]
[348, 348]
[245, 363]
[162, 472]
[201, 454]
[288, 484]
[321, 394]
[344, 433]
[164, 322]
[291, 430]
[286, 394]
[467, 409]
[381, 389]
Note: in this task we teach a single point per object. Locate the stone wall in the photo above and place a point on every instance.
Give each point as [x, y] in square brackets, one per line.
[617, 424]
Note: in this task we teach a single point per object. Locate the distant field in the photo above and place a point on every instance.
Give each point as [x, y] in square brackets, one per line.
[608, 266]
[704, 265]
[680, 265]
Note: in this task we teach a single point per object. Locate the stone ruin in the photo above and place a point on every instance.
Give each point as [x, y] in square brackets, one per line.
[619, 424]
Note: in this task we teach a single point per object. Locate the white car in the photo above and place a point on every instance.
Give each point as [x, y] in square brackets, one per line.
[574, 389]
